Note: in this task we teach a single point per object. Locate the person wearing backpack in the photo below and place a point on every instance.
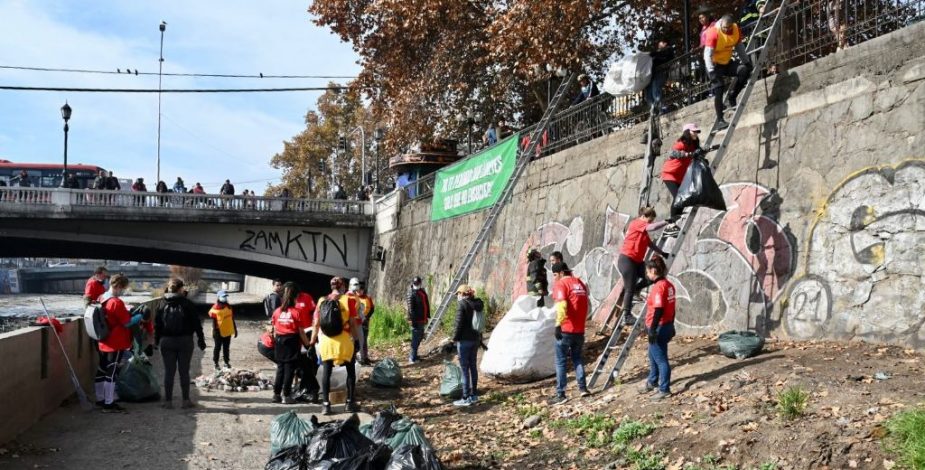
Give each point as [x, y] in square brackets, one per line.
[113, 346]
[417, 304]
[467, 337]
[335, 331]
[223, 328]
[289, 337]
[174, 326]
[274, 299]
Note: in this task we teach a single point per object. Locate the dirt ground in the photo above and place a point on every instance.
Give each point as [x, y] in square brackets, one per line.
[722, 411]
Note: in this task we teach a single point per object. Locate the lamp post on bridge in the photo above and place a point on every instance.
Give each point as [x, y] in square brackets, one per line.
[363, 155]
[66, 115]
[380, 136]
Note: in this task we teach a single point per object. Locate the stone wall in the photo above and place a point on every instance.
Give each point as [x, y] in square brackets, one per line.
[36, 379]
[824, 236]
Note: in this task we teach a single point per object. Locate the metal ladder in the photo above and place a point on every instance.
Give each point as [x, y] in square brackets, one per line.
[523, 160]
[768, 25]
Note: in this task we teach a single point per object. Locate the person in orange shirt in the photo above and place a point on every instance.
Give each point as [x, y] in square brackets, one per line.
[660, 309]
[113, 347]
[96, 285]
[570, 295]
[720, 41]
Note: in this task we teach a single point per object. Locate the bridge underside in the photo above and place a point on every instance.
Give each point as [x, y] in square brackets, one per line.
[18, 247]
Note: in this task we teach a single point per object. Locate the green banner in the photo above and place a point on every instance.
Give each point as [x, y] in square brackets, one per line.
[474, 183]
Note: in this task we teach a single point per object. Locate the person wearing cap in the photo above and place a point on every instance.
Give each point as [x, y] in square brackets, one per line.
[223, 328]
[588, 90]
[467, 343]
[417, 305]
[683, 152]
[631, 263]
[365, 309]
[536, 276]
[570, 295]
[721, 41]
[337, 350]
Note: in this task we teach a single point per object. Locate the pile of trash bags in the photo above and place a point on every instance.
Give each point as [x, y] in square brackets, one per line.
[389, 442]
[137, 380]
[522, 345]
[235, 380]
[740, 344]
[387, 374]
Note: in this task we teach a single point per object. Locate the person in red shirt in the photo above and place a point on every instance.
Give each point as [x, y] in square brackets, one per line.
[636, 242]
[683, 152]
[289, 331]
[96, 285]
[570, 295]
[113, 346]
[720, 41]
[660, 308]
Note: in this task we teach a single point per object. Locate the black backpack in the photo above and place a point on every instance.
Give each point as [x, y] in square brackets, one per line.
[174, 319]
[332, 324]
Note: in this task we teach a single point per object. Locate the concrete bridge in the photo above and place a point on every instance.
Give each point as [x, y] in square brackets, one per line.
[300, 239]
[72, 278]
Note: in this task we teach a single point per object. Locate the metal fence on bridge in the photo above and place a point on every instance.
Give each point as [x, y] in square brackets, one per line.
[16, 196]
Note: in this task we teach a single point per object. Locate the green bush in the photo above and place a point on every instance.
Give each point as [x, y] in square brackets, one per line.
[906, 434]
[389, 326]
[791, 403]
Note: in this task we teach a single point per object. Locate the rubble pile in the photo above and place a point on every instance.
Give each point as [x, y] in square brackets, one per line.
[234, 380]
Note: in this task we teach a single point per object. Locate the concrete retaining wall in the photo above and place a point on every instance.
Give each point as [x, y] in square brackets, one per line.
[825, 228]
[36, 379]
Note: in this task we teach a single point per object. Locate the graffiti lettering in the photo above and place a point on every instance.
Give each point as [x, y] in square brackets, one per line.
[285, 243]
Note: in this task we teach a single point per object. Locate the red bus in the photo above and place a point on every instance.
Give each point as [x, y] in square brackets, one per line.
[46, 175]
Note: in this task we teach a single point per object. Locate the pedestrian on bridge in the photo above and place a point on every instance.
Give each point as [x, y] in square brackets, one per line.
[113, 347]
[660, 309]
[179, 186]
[174, 326]
[570, 295]
[223, 328]
[631, 263]
[417, 304]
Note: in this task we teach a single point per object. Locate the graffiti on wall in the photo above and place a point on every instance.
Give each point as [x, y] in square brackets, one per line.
[864, 267]
[744, 246]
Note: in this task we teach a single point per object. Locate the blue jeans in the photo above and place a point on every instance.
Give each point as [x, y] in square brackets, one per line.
[653, 92]
[659, 370]
[417, 336]
[569, 346]
[468, 356]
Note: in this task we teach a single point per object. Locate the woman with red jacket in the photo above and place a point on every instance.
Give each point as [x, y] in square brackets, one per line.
[660, 309]
[112, 348]
[289, 337]
[631, 263]
[685, 149]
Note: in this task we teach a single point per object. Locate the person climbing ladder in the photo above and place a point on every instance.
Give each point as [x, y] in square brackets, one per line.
[631, 262]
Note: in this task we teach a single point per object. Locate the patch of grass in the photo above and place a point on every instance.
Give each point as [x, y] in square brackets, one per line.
[495, 398]
[527, 410]
[597, 429]
[630, 430]
[536, 433]
[768, 466]
[906, 437]
[791, 402]
[389, 326]
[646, 459]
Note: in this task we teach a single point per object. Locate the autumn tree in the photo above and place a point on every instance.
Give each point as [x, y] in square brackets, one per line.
[313, 161]
[427, 63]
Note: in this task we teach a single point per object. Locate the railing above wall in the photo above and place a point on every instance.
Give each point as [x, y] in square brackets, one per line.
[15, 196]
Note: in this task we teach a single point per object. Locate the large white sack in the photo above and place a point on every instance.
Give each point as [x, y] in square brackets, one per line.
[522, 347]
[629, 74]
[338, 373]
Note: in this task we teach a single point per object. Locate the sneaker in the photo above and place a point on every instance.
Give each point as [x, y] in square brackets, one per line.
[112, 408]
[462, 402]
[661, 396]
[646, 388]
[188, 404]
[557, 400]
[218, 368]
[629, 319]
[326, 409]
[167, 405]
[412, 362]
[287, 400]
[730, 102]
[474, 399]
[720, 125]
[671, 230]
[351, 407]
[277, 399]
[227, 365]
[584, 393]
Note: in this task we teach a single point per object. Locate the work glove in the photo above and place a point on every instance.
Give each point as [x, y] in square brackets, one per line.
[558, 333]
[653, 336]
[149, 351]
[700, 153]
[202, 344]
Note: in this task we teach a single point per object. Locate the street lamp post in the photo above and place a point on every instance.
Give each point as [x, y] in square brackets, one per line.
[363, 154]
[160, 70]
[66, 115]
[380, 136]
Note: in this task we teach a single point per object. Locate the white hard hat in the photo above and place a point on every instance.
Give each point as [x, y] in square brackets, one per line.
[354, 283]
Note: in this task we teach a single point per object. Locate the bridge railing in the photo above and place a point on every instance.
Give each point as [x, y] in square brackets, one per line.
[177, 201]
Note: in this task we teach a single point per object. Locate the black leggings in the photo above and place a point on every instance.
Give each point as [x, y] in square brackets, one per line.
[673, 189]
[328, 366]
[634, 280]
[177, 352]
[220, 345]
[287, 354]
[285, 372]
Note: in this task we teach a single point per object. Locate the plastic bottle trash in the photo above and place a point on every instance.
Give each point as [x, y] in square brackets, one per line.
[451, 384]
[522, 345]
[288, 430]
[740, 344]
[387, 374]
[411, 457]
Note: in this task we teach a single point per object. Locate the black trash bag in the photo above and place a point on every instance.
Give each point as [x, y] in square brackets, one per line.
[337, 440]
[740, 344]
[290, 458]
[374, 458]
[699, 189]
[411, 457]
[380, 429]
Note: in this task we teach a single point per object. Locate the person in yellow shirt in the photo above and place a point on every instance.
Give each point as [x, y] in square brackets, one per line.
[364, 308]
[223, 328]
[340, 348]
[720, 41]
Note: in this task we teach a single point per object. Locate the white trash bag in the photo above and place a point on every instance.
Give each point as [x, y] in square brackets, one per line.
[629, 75]
[338, 373]
[522, 347]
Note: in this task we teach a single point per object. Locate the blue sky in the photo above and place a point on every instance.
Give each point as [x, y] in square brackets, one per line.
[204, 137]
